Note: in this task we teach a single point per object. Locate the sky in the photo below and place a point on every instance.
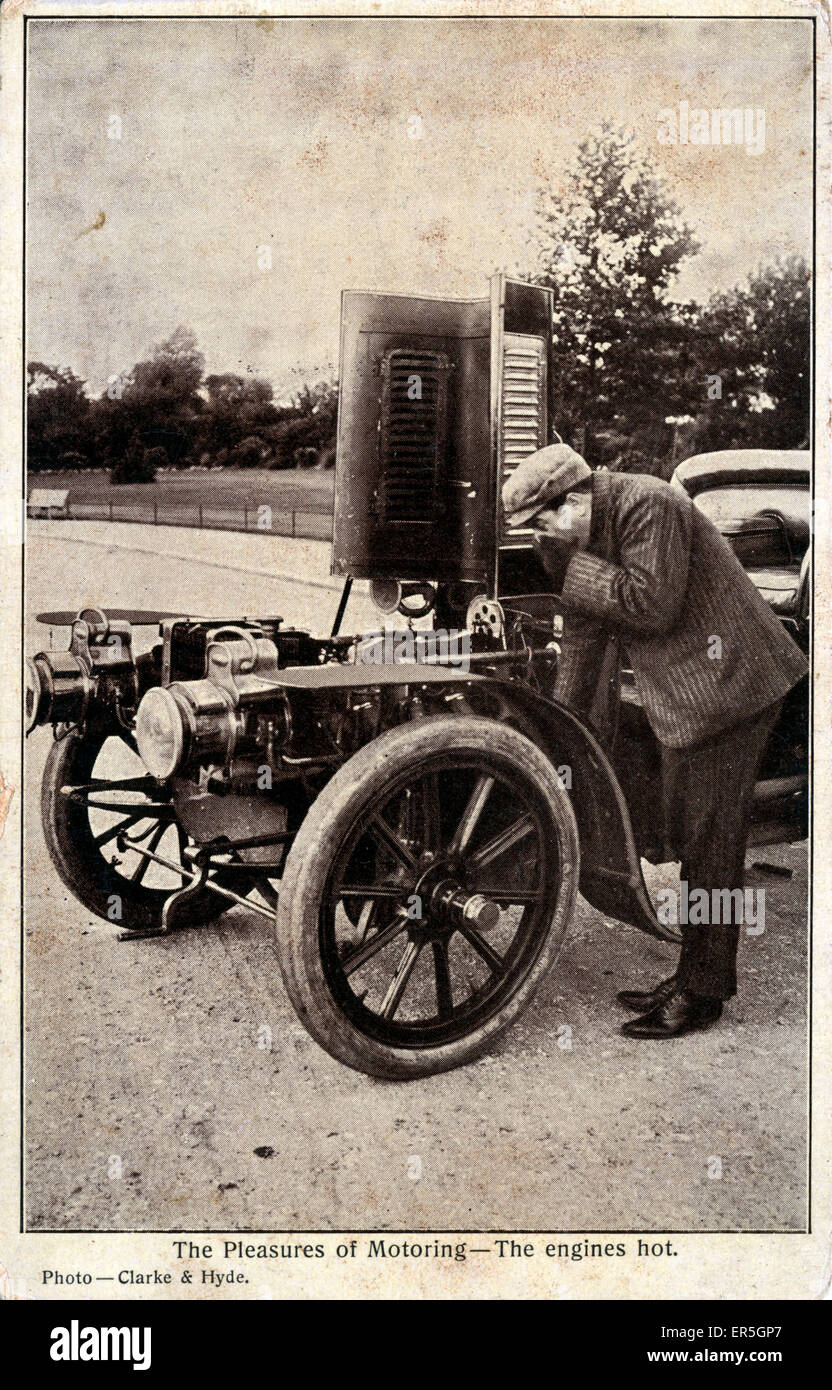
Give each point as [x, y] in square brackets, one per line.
[165, 155]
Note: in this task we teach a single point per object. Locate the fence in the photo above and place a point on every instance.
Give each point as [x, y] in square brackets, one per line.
[307, 522]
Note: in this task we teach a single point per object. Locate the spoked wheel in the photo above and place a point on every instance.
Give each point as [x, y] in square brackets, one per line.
[427, 896]
[95, 787]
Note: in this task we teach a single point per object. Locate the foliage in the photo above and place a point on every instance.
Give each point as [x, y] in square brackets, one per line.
[158, 401]
[238, 410]
[165, 413]
[138, 463]
[306, 434]
[640, 379]
[757, 339]
[609, 244]
[248, 453]
[59, 418]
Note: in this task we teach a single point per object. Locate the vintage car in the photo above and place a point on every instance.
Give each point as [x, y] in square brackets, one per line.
[760, 499]
[418, 831]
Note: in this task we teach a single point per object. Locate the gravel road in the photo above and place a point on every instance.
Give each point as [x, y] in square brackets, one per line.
[182, 1059]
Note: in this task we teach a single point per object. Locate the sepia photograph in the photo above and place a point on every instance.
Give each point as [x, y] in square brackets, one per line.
[417, 630]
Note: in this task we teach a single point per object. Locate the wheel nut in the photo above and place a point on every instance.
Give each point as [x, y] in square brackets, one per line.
[481, 913]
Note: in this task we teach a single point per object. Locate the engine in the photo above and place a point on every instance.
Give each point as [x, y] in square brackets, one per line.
[207, 697]
[231, 708]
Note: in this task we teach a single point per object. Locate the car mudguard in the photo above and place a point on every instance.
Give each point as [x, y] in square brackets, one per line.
[611, 874]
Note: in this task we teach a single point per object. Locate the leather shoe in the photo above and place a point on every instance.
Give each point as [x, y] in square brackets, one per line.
[681, 1013]
[641, 1001]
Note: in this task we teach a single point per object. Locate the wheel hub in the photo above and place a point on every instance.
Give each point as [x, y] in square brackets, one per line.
[447, 904]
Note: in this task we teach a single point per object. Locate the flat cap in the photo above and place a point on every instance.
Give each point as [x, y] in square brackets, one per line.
[540, 479]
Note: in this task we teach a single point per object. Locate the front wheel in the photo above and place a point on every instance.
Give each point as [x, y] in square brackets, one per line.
[426, 896]
[95, 790]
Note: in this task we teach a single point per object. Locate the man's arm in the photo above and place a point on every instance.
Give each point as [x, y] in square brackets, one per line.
[644, 593]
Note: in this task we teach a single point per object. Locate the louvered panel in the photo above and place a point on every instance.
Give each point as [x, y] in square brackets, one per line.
[523, 402]
[412, 437]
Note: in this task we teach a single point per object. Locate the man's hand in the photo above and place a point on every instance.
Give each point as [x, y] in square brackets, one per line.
[555, 553]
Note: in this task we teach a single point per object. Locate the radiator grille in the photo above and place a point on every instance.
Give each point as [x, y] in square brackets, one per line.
[523, 401]
[412, 442]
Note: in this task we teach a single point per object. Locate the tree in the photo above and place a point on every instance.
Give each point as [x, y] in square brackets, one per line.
[759, 337]
[305, 435]
[59, 426]
[238, 408]
[159, 401]
[168, 382]
[137, 464]
[609, 244]
[163, 414]
[248, 453]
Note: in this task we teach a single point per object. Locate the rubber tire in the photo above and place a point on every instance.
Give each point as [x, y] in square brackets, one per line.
[323, 831]
[80, 866]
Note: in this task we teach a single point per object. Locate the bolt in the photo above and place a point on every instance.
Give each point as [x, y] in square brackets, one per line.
[481, 913]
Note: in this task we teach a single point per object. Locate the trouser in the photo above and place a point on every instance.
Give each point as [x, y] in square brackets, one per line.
[707, 793]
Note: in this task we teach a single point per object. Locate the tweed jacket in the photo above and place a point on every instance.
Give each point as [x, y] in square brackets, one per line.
[705, 648]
